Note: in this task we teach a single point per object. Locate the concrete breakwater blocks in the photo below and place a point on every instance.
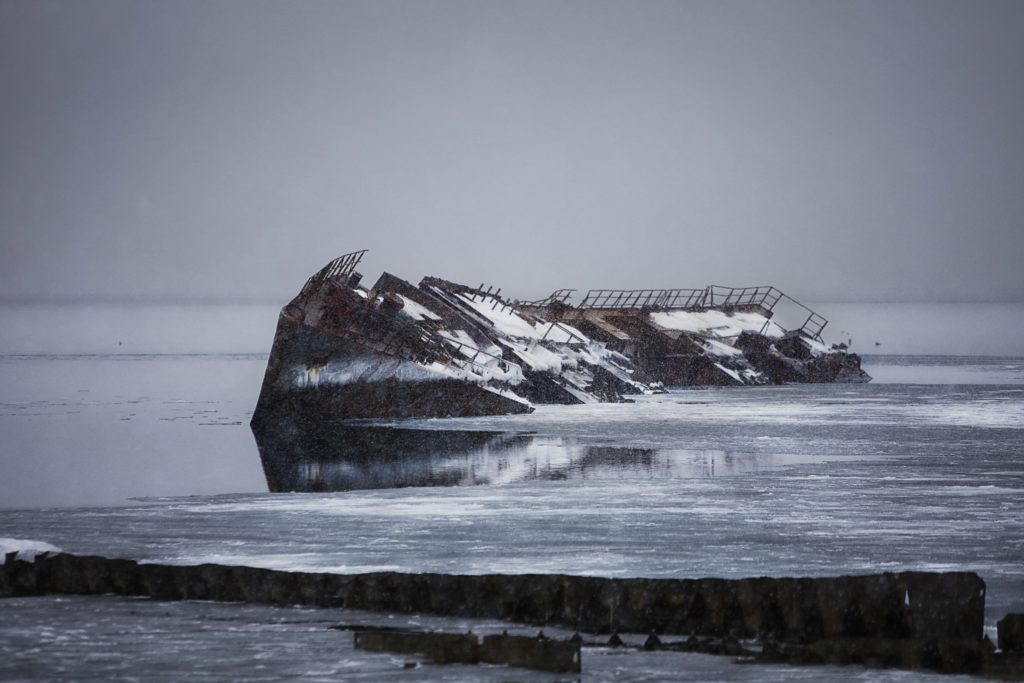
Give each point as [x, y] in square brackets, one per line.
[891, 605]
[921, 610]
[453, 648]
[1011, 633]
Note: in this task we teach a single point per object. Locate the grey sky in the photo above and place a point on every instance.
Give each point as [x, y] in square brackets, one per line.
[225, 150]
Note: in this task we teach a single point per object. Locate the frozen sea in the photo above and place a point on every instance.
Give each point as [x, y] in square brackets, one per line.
[151, 457]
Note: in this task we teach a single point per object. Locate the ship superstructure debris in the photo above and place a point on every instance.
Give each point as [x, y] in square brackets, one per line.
[344, 351]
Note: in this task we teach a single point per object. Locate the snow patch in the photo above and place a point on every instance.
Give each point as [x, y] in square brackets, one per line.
[365, 370]
[416, 311]
[462, 341]
[561, 333]
[482, 363]
[714, 323]
[732, 373]
[816, 347]
[504, 320]
[507, 393]
[536, 356]
[717, 348]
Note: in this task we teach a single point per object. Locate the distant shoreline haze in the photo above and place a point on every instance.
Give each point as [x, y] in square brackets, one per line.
[983, 329]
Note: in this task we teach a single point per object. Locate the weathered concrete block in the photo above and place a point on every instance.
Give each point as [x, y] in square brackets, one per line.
[531, 653]
[441, 648]
[906, 605]
[449, 648]
[1011, 633]
[931, 599]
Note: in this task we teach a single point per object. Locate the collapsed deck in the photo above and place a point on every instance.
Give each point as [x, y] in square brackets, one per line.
[443, 349]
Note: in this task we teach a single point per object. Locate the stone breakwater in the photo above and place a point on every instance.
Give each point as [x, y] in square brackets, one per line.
[906, 619]
[541, 652]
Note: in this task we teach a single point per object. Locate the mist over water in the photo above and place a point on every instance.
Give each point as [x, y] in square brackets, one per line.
[126, 328]
[975, 329]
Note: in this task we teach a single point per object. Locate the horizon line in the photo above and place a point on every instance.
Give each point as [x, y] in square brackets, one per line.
[212, 301]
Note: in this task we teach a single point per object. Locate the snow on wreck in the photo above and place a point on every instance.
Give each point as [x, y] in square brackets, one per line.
[443, 349]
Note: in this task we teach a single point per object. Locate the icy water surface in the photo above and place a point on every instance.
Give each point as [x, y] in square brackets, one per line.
[108, 638]
[921, 470]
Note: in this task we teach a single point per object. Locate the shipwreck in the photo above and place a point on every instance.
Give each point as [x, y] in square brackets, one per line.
[442, 349]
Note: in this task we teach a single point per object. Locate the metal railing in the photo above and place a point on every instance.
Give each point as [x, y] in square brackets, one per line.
[559, 296]
[814, 324]
[731, 297]
[644, 298]
[572, 335]
[503, 365]
[472, 293]
[337, 269]
[712, 296]
[764, 297]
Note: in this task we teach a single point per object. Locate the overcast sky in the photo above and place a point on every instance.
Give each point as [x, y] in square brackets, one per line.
[218, 150]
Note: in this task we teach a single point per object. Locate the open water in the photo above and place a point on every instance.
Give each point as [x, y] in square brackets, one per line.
[151, 457]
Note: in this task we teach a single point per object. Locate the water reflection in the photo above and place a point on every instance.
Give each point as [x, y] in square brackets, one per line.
[302, 457]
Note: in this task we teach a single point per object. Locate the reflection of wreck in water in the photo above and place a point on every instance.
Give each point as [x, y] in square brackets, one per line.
[302, 456]
[343, 351]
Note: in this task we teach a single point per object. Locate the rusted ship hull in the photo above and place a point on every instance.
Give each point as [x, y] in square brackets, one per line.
[442, 349]
[302, 380]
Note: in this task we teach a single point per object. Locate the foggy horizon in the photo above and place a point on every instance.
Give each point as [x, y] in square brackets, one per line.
[197, 152]
[527, 294]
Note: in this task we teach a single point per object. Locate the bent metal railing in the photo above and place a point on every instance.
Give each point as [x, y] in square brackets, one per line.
[472, 359]
[573, 337]
[559, 296]
[712, 296]
[472, 293]
[765, 297]
[814, 324]
[338, 269]
[644, 298]
[731, 297]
